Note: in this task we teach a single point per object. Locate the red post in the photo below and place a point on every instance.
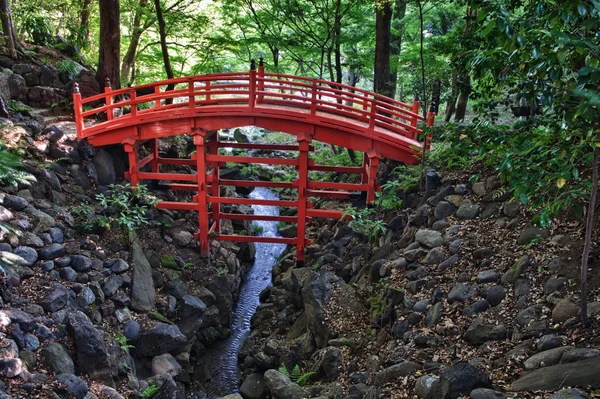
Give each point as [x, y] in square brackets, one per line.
[261, 81]
[207, 86]
[78, 109]
[430, 123]
[108, 99]
[131, 149]
[415, 110]
[199, 140]
[374, 158]
[304, 141]
[154, 164]
[213, 148]
[252, 88]
[364, 179]
[192, 97]
[156, 92]
[313, 99]
[133, 107]
[373, 113]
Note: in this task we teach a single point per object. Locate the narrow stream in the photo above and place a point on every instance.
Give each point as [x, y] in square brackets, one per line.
[224, 358]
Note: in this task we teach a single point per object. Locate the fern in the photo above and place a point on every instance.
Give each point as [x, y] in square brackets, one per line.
[10, 175]
[160, 317]
[150, 391]
[296, 375]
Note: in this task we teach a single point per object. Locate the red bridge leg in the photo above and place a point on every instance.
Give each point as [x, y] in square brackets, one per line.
[213, 147]
[304, 141]
[131, 149]
[199, 137]
[374, 158]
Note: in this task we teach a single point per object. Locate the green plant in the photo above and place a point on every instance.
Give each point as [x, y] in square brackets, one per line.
[363, 222]
[122, 341]
[85, 218]
[126, 205]
[16, 106]
[281, 225]
[160, 317]
[256, 229]
[296, 374]
[69, 68]
[149, 392]
[10, 175]
[221, 271]
[387, 198]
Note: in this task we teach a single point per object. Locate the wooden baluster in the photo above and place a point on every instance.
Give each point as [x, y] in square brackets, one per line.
[201, 198]
[313, 99]
[213, 149]
[373, 113]
[108, 99]
[78, 110]
[130, 146]
[261, 80]
[191, 95]
[374, 158]
[415, 120]
[134, 106]
[208, 89]
[304, 141]
[252, 89]
[157, 92]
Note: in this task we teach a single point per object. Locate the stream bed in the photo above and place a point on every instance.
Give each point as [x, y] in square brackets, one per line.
[223, 358]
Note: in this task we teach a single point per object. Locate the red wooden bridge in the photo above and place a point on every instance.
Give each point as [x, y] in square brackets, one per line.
[310, 109]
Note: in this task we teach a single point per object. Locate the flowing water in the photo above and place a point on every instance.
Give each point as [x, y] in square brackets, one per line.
[224, 358]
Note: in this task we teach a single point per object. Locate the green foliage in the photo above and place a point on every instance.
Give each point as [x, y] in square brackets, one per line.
[10, 175]
[69, 68]
[221, 271]
[364, 223]
[85, 218]
[256, 229]
[126, 205]
[16, 106]
[38, 29]
[122, 341]
[150, 391]
[160, 317]
[387, 198]
[296, 374]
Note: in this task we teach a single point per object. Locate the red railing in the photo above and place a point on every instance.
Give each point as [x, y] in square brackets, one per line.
[253, 92]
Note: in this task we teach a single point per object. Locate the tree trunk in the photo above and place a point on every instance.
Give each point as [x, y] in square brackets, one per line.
[451, 106]
[396, 42]
[83, 36]
[8, 28]
[383, 21]
[422, 56]
[589, 228]
[465, 92]
[110, 43]
[136, 33]
[163, 46]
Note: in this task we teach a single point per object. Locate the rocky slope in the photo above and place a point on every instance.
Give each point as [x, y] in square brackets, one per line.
[461, 297]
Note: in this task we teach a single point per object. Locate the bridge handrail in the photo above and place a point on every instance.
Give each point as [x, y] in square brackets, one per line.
[254, 90]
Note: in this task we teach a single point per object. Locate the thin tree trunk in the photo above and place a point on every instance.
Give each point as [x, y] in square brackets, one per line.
[163, 46]
[110, 43]
[396, 42]
[421, 54]
[383, 19]
[451, 105]
[84, 22]
[136, 33]
[589, 228]
[8, 28]
[465, 92]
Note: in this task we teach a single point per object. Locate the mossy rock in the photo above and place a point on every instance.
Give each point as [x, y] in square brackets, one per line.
[168, 262]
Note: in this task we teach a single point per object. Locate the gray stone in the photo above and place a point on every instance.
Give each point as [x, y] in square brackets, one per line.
[550, 341]
[546, 358]
[429, 238]
[554, 284]
[569, 393]
[90, 349]
[443, 210]
[511, 209]
[392, 373]
[31, 342]
[479, 189]
[435, 257]
[461, 292]
[254, 387]
[531, 233]
[159, 339]
[5, 215]
[15, 203]
[564, 310]
[31, 240]
[479, 332]
[468, 210]
[522, 287]
[166, 364]
[81, 263]
[52, 252]
[460, 380]
[29, 255]
[105, 169]
[56, 358]
[68, 274]
[191, 309]
[240, 136]
[577, 354]
[10, 368]
[476, 307]
[143, 293]
[55, 299]
[327, 363]
[74, 386]
[281, 387]
[424, 385]
[581, 373]
[485, 393]
[183, 238]
[119, 266]
[495, 295]
[527, 315]
[434, 314]
[448, 262]
[488, 276]
[131, 330]
[515, 271]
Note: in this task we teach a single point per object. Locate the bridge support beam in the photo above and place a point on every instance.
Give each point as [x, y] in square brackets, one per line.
[304, 141]
[201, 198]
[215, 191]
[130, 146]
[374, 157]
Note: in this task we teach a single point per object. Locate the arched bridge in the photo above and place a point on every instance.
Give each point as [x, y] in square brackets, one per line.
[310, 109]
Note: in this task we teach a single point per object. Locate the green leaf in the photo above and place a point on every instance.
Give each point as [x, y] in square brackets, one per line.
[581, 9]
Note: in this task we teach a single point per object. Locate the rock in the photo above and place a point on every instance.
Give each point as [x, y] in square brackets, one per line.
[31, 240]
[424, 385]
[496, 295]
[483, 253]
[254, 387]
[511, 209]
[56, 299]
[165, 385]
[316, 294]
[288, 231]
[281, 387]
[527, 315]
[131, 330]
[10, 368]
[5, 215]
[448, 262]
[434, 314]
[531, 233]
[31, 342]
[90, 351]
[159, 339]
[191, 309]
[73, 385]
[443, 210]
[476, 307]
[166, 364]
[143, 293]
[240, 136]
[479, 332]
[554, 284]
[488, 276]
[105, 169]
[550, 341]
[15, 203]
[112, 285]
[459, 380]
[546, 358]
[577, 354]
[81, 263]
[52, 252]
[569, 393]
[429, 238]
[68, 274]
[392, 373]
[468, 210]
[564, 310]
[120, 266]
[461, 292]
[515, 271]
[183, 238]
[29, 255]
[435, 257]
[479, 189]
[327, 362]
[581, 373]
[57, 359]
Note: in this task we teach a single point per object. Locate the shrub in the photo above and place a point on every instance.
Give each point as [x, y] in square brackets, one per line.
[126, 206]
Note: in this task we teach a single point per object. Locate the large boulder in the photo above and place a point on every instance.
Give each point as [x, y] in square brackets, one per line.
[159, 339]
[281, 387]
[143, 293]
[583, 373]
[316, 294]
[105, 168]
[90, 350]
[459, 380]
[254, 387]
[57, 359]
[479, 332]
